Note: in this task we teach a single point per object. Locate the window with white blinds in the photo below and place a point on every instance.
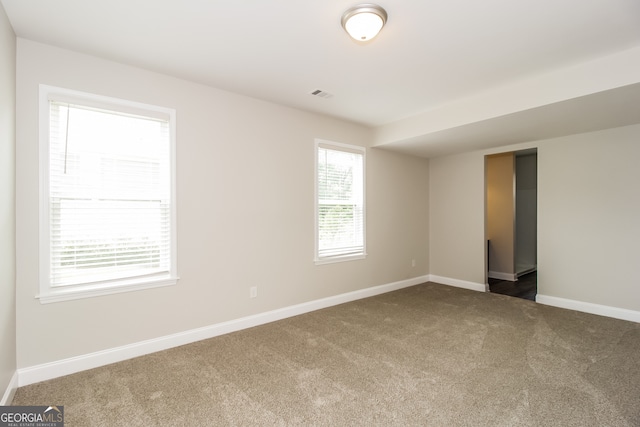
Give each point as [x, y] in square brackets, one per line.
[340, 216]
[108, 198]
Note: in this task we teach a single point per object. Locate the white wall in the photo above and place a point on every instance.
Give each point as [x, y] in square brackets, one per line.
[586, 78]
[245, 211]
[7, 203]
[588, 210]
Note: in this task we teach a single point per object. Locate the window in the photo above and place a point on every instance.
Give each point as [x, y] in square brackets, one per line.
[340, 219]
[107, 195]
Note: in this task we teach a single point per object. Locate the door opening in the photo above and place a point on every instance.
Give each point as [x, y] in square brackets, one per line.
[511, 221]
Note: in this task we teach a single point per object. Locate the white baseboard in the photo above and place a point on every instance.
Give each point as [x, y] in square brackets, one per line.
[503, 276]
[459, 283]
[72, 365]
[10, 391]
[587, 307]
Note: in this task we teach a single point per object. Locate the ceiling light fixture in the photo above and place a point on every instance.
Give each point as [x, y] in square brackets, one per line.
[364, 21]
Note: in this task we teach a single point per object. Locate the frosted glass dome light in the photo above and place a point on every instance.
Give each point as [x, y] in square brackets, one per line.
[364, 22]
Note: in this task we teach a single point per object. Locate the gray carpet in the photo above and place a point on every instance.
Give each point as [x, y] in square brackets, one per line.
[429, 355]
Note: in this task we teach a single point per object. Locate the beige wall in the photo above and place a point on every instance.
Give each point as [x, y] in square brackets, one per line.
[501, 214]
[588, 210]
[588, 216]
[7, 203]
[456, 218]
[245, 211]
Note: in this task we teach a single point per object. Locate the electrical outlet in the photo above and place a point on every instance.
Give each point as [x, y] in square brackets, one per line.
[253, 292]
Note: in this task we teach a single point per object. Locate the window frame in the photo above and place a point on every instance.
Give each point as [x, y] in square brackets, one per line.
[47, 292]
[338, 146]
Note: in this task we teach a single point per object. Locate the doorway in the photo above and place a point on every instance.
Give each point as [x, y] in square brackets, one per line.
[511, 222]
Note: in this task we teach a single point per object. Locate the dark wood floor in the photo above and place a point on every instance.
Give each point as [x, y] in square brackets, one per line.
[525, 287]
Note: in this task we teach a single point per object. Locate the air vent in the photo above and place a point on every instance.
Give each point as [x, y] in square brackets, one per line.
[321, 94]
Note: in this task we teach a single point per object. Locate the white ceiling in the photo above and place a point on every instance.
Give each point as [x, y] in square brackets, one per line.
[431, 52]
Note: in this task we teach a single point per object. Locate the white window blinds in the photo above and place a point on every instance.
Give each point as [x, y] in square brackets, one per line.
[109, 195]
[340, 231]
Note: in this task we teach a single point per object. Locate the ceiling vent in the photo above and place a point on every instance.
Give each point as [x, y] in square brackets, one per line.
[321, 94]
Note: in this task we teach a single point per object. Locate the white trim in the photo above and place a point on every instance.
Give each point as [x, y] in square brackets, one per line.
[48, 93]
[331, 260]
[47, 371]
[49, 294]
[355, 149]
[473, 286]
[503, 276]
[7, 398]
[588, 307]
[95, 290]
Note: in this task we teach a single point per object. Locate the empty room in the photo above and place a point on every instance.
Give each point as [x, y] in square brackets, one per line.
[284, 212]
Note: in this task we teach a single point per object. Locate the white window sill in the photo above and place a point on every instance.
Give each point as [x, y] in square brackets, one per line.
[68, 293]
[335, 259]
